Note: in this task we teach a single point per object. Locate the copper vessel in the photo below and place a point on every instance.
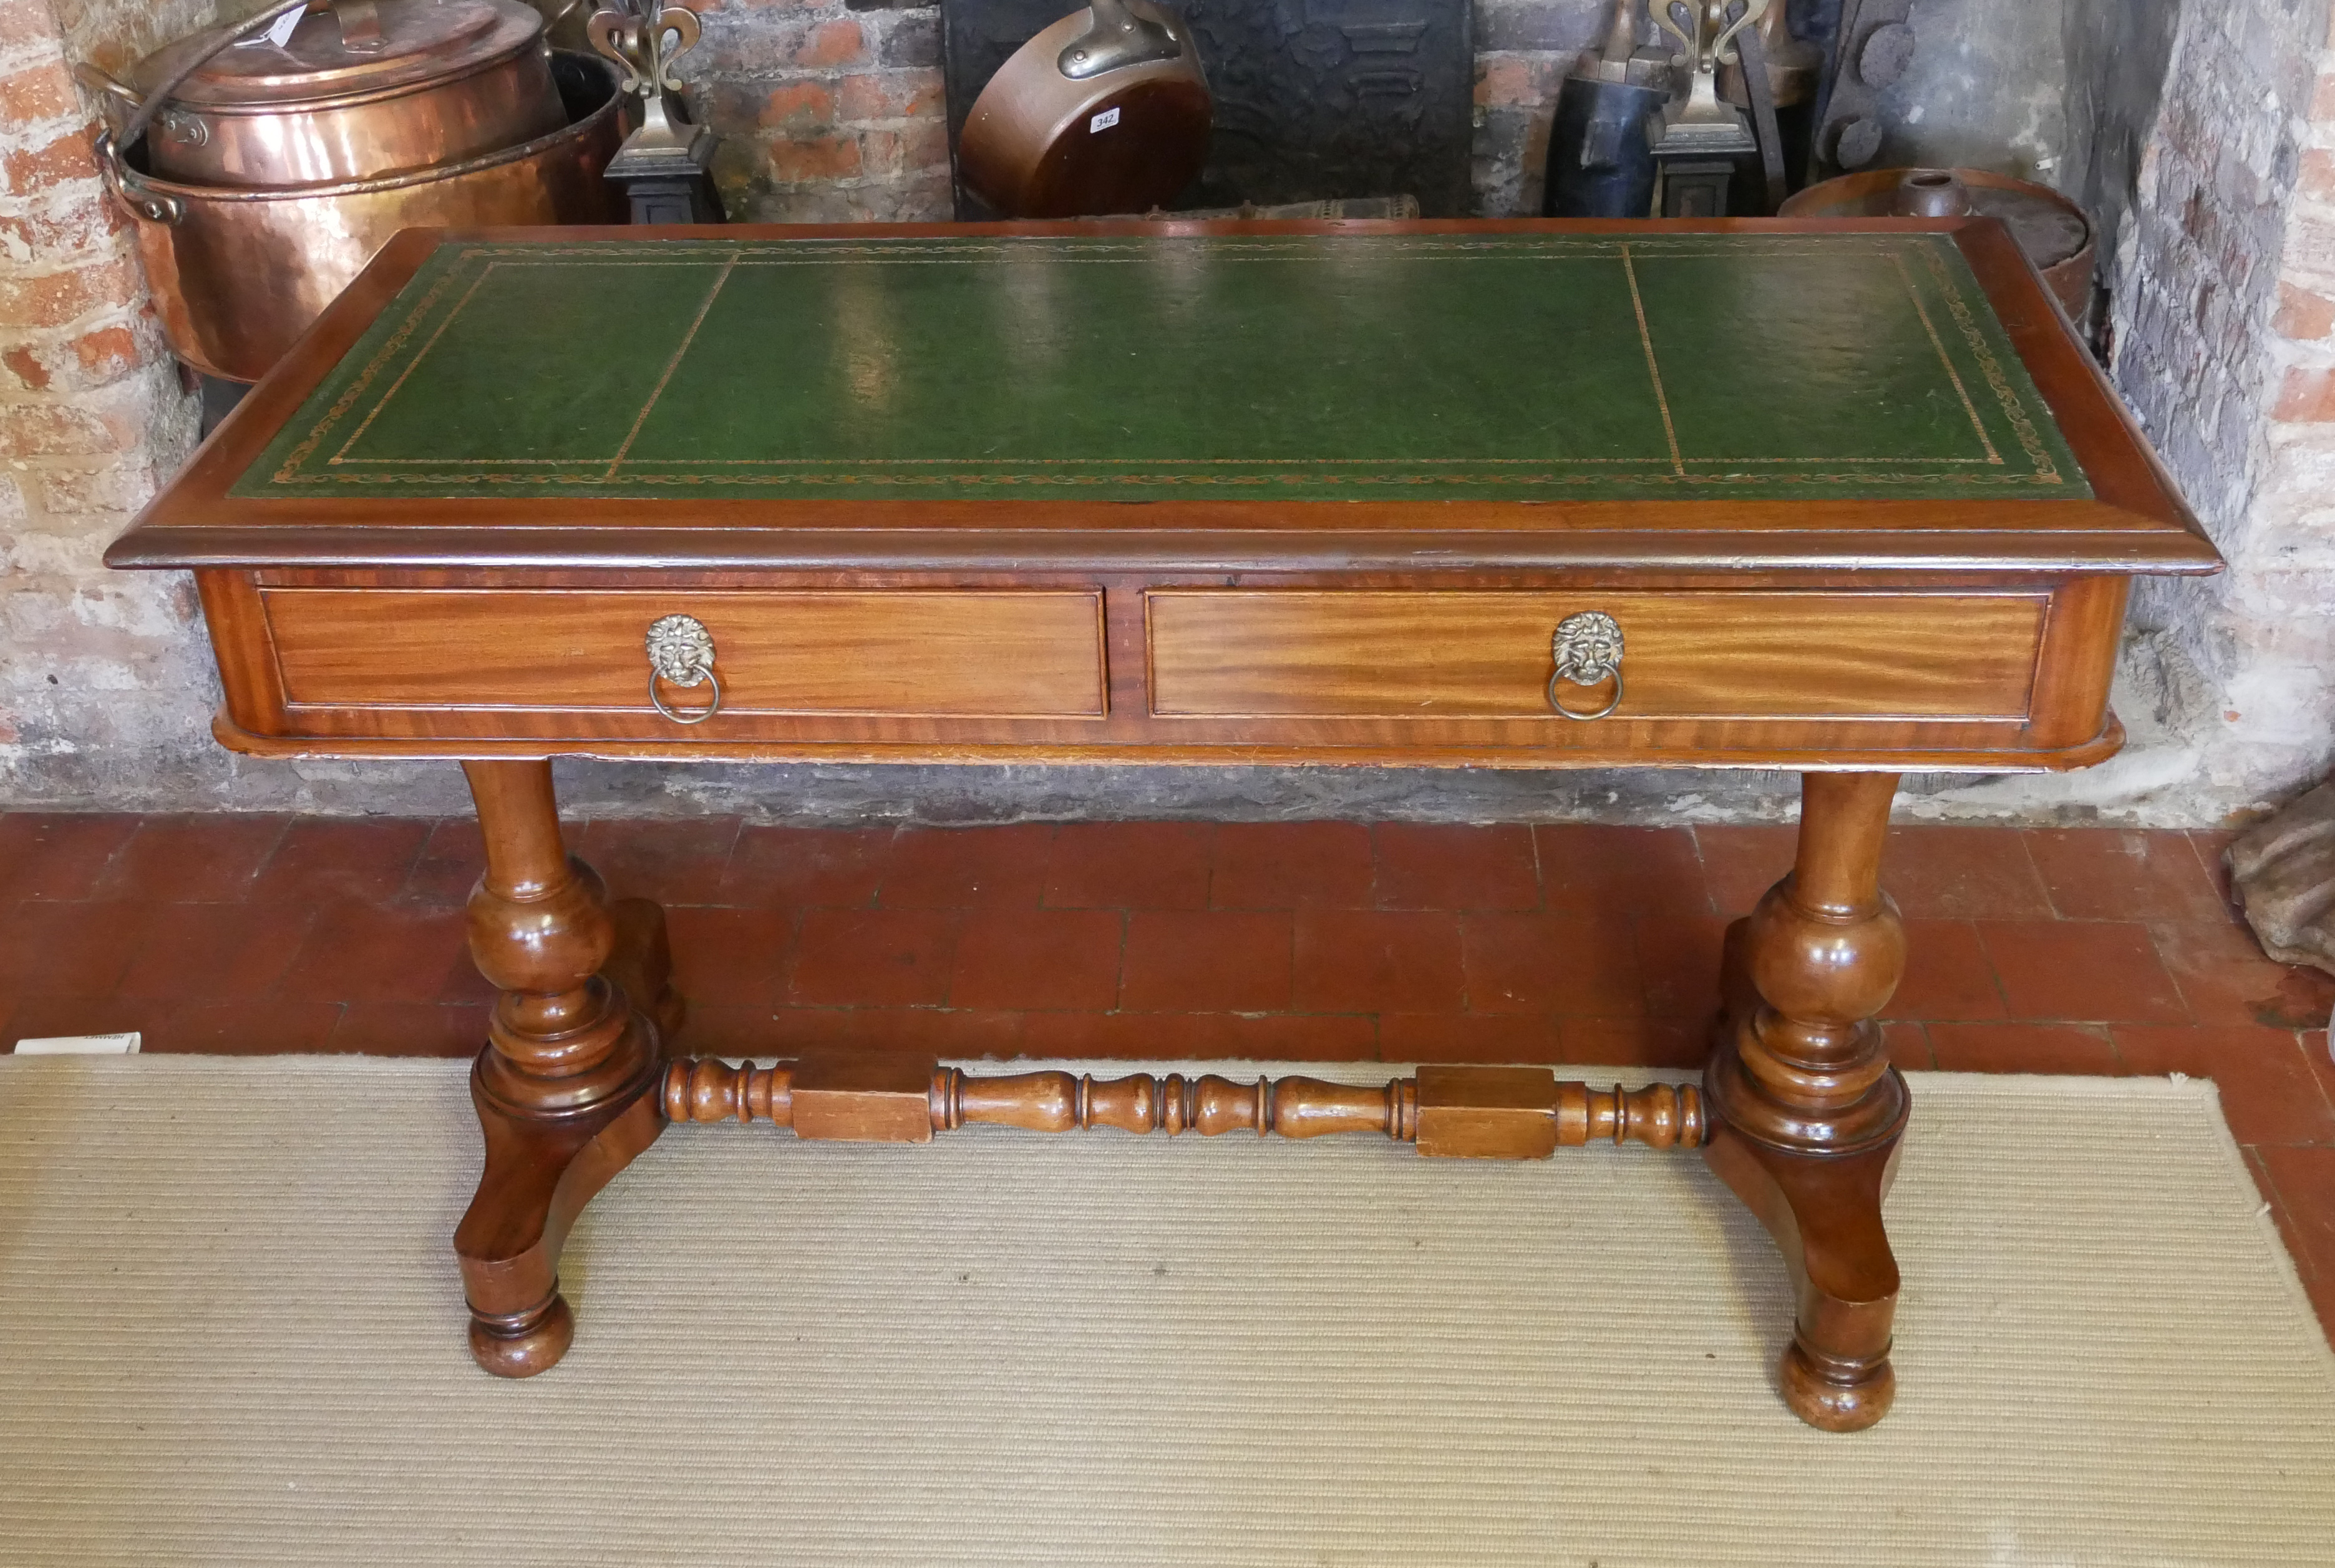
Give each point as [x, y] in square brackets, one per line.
[2051, 229]
[238, 274]
[1106, 110]
[365, 89]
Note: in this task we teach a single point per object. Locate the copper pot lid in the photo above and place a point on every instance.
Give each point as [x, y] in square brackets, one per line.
[420, 41]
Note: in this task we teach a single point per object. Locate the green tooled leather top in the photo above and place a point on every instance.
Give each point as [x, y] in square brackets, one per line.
[1514, 367]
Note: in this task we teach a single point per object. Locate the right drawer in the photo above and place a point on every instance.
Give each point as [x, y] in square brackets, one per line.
[1224, 653]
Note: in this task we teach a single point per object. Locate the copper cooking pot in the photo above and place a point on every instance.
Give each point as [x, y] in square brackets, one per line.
[238, 274]
[2051, 229]
[1106, 110]
[361, 89]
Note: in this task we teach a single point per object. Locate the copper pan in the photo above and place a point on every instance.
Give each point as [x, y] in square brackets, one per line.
[2053, 231]
[239, 272]
[1106, 111]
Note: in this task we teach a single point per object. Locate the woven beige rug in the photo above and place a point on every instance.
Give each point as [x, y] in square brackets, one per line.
[230, 1333]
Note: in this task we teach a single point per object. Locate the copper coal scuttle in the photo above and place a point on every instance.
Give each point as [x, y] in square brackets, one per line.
[265, 161]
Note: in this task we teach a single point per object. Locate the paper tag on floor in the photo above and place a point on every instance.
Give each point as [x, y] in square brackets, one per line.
[82, 1045]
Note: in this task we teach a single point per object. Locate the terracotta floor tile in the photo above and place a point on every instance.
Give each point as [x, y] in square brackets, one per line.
[942, 1032]
[1377, 961]
[801, 866]
[64, 949]
[1662, 1042]
[216, 953]
[1550, 963]
[1293, 866]
[2090, 971]
[204, 859]
[2123, 874]
[409, 1028]
[1130, 866]
[1739, 864]
[1207, 961]
[729, 1029]
[1939, 872]
[1202, 1036]
[873, 957]
[2281, 1212]
[1611, 872]
[1467, 1037]
[2314, 1052]
[2213, 844]
[1908, 1043]
[2270, 1092]
[2225, 978]
[2035, 1047]
[58, 854]
[320, 858]
[965, 868]
[378, 953]
[2304, 1178]
[448, 866]
[273, 1027]
[461, 985]
[1039, 960]
[1677, 959]
[44, 1017]
[672, 860]
[2320, 1289]
[1455, 866]
[1947, 974]
[731, 956]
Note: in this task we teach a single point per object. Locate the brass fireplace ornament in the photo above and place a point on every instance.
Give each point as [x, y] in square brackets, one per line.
[1700, 146]
[662, 164]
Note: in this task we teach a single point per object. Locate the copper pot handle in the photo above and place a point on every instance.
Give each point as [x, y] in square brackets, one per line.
[116, 99]
[1115, 38]
[152, 206]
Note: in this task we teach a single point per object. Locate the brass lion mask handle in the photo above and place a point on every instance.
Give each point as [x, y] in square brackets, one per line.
[680, 653]
[1588, 651]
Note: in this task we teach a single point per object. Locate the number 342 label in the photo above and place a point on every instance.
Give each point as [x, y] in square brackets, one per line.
[1104, 122]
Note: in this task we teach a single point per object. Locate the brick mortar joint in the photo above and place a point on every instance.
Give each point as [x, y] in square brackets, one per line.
[71, 262]
[45, 50]
[48, 130]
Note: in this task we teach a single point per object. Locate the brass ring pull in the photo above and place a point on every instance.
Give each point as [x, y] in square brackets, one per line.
[680, 653]
[1587, 648]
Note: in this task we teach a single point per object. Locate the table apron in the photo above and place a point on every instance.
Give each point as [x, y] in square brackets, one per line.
[1990, 676]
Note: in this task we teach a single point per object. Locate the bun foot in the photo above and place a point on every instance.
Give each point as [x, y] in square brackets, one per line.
[524, 1343]
[1837, 1397]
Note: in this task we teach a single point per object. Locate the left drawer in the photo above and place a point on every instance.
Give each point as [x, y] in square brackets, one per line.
[944, 653]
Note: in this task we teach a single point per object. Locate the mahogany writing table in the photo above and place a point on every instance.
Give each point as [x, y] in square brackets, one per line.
[1846, 499]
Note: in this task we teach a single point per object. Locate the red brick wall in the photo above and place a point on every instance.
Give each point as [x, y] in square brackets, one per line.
[92, 416]
[828, 115]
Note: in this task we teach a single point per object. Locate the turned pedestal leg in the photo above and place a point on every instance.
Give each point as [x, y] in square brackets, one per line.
[1808, 1110]
[563, 1087]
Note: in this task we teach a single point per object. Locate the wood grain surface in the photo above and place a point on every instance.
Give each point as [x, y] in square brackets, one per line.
[1424, 655]
[983, 653]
